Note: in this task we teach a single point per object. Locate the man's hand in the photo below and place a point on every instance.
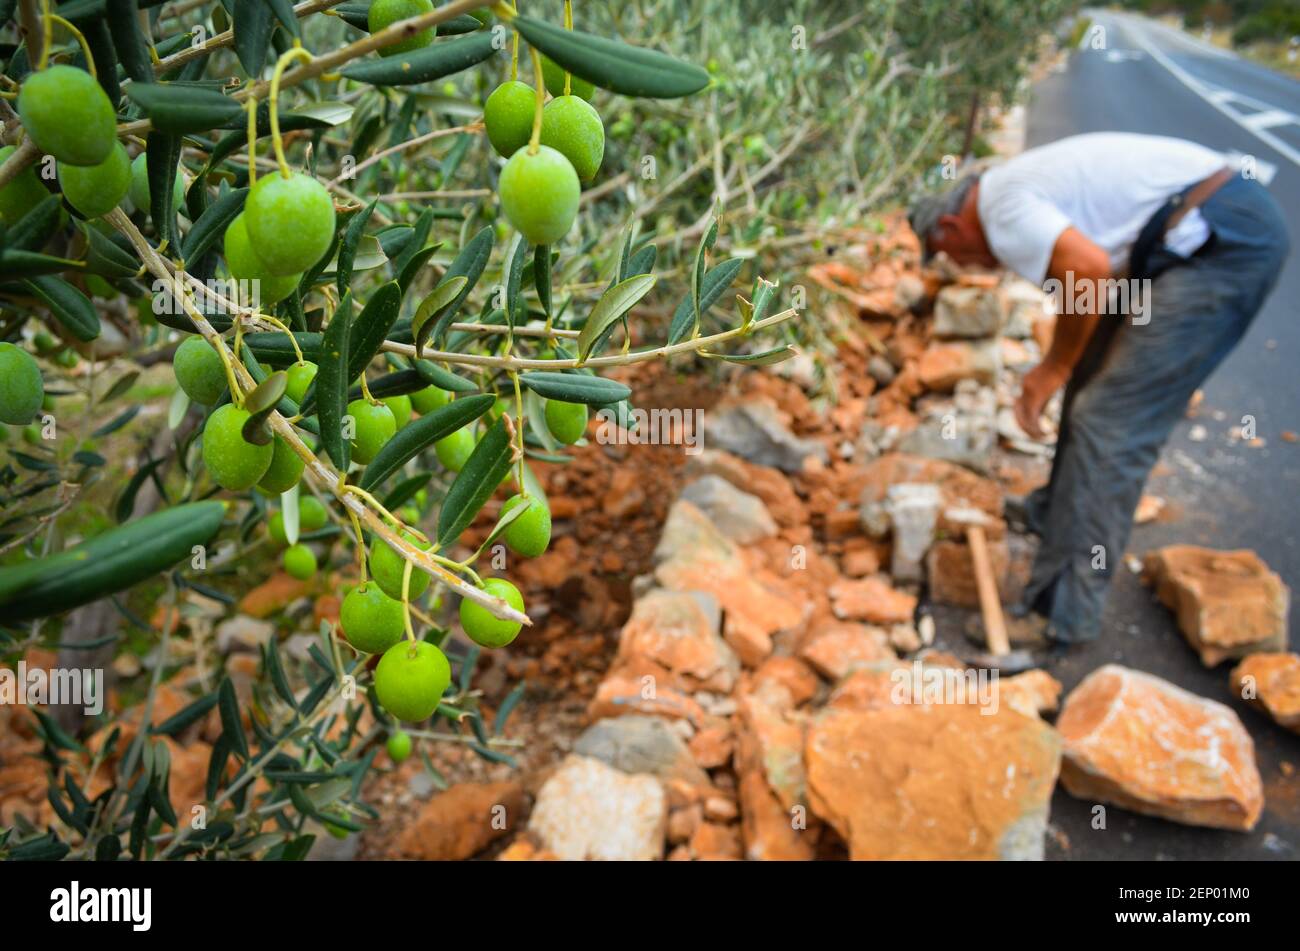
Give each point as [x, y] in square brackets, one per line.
[1036, 389]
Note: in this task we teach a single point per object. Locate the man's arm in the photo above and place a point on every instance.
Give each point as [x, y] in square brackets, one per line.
[1073, 255]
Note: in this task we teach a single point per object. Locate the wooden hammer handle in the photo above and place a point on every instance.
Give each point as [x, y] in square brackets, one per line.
[995, 628]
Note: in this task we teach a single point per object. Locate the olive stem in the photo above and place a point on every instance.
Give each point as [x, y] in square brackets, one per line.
[406, 601]
[535, 139]
[276, 142]
[50, 20]
[568, 25]
[519, 416]
[361, 547]
[252, 141]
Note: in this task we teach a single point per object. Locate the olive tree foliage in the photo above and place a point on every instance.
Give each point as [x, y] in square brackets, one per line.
[427, 283]
[822, 113]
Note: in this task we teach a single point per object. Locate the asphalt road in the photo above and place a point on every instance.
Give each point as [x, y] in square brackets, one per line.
[1224, 494]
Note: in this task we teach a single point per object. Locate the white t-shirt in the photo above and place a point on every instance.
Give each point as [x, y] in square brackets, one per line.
[1105, 184]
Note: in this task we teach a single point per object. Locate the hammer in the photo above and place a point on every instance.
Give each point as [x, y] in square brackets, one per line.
[973, 522]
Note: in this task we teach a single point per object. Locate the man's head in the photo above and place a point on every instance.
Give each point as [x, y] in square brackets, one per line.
[949, 221]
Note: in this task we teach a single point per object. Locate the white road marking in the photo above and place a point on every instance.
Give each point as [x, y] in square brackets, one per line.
[1215, 96]
[1265, 120]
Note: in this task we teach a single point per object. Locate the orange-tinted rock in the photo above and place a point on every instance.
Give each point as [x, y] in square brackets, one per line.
[642, 687]
[944, 365]
[714, 842]
[682, 823]
[872, 600]
[712, 747]
[1034, 692]
[768, 484]
[951, 573]
[792, 674]
[768, 831]
[933, 781]
[837, 649]
[1228, 603]
[860, 562]
[1272, 683]
[1141, 743]
[273, 595]
[462, 821]
[958, 487]
[767, 718]
[674, 630]
[749, 639]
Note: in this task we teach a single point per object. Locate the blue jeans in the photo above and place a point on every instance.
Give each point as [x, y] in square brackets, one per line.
[1130, 388]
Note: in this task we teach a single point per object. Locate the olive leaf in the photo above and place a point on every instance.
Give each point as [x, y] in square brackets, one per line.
[371, 327]
[416, 436]
[613, 304]
[232, 728]
[110, 562]
[470, 264]
[514, 273]
[348, 247]
[435, 375]
[716, 281]
[542, 276]
[613, 65]
[423, 65]
[575, 387]
[69, 306]
[643, 261]
[766, 358]
[131, 44]
[253, 28]
[431, 310]
[763, 294]
[212, 224]
[33, 229]
[483, 472]
[260, 404]
[162, 158]
[411, 267]
[331, 384]
[707, 241]
[106, 257]
[183, 110]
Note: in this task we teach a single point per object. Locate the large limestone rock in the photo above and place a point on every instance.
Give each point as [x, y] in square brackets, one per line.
[873, 600]
[943, 365]
[959, 489]
[462, 821]
[741, 517]
[1272, 683]
[754, 430]
[968, 312]
[587, 810]
[962, 431]
[913, 514]
[836, 649]
[678, 630]
[775, 733]
[770, 485]
[641, 744]
[932, 780]
[693, 555]
[1144, 744]
[1228, 603]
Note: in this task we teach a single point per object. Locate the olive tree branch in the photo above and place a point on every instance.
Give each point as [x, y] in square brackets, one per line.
[222, 40]
[323, 477]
